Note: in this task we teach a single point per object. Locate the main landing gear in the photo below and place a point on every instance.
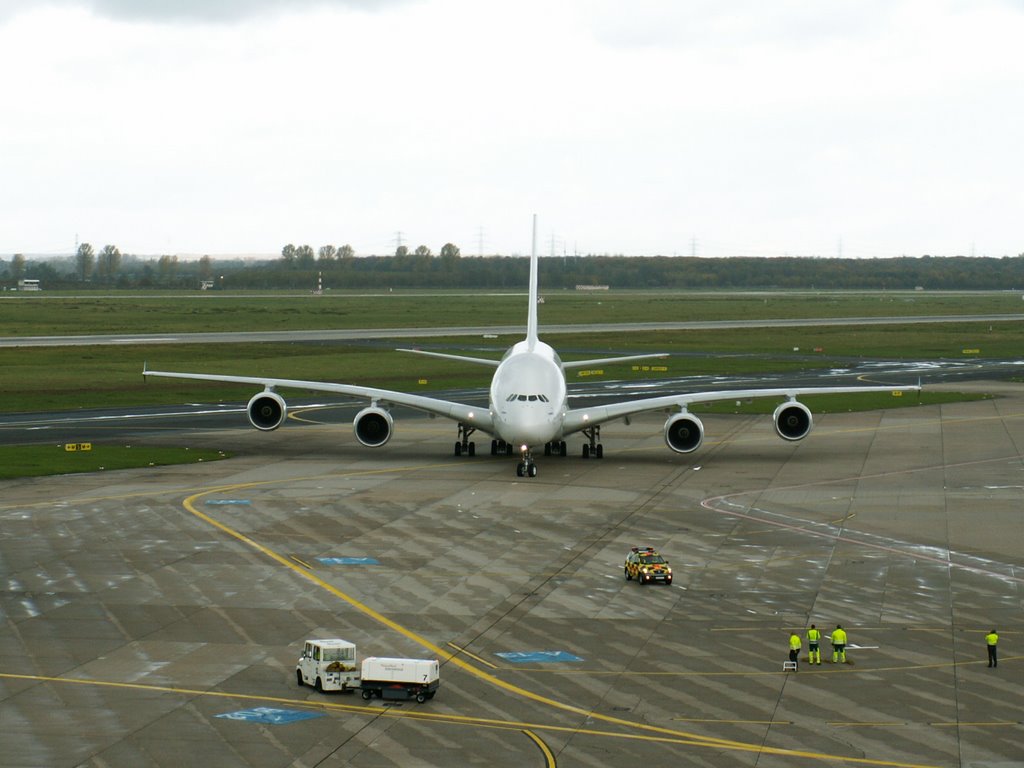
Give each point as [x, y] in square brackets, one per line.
[593, 448]
[500, 446]
[463, 445]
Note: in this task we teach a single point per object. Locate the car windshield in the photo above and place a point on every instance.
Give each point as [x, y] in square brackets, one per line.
[652, 559]
[339, 654]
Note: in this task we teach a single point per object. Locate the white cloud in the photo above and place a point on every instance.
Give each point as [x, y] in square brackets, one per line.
[234, 126]
[192, 11]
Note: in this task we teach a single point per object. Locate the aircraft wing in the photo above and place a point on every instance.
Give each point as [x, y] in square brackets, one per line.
[478, 416]
[581, 418]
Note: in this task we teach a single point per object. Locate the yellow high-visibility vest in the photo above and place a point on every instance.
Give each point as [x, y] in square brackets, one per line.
[991, 638]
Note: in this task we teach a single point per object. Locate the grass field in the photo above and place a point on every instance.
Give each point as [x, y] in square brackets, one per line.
[41, 460]
[58, 378]
[50, 314]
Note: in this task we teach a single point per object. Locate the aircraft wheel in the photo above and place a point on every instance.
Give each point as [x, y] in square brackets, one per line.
[547, 449]
[586, 451]
[519, 469]
[494, 447]
[561, 448]
[458, 448]
[533, 470]
[472, 449]
[599, 453]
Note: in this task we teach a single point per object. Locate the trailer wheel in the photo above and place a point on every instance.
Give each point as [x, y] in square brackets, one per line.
[421, 697]
[367, 694]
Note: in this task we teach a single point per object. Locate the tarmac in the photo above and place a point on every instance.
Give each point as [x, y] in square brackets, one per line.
[153, 617]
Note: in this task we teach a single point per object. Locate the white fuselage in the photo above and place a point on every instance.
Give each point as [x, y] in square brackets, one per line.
[528, 395]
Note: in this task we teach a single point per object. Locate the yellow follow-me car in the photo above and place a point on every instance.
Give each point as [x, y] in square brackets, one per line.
[646, 565]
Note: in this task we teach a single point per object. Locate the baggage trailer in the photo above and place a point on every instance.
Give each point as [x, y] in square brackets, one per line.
[399, 679]
[328, 665]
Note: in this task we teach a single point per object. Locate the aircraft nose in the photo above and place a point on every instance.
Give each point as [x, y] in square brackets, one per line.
[535, 431]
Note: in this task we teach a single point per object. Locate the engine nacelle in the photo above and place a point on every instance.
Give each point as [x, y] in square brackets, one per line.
[267, 411]
[792, 420]
[373, 426]
[684, 433]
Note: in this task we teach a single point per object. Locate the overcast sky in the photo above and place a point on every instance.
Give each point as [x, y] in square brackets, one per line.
[716, 127]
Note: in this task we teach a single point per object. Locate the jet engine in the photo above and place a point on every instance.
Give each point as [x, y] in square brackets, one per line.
[267, 411]
[373, 426]
[792, 420]
[684, 432]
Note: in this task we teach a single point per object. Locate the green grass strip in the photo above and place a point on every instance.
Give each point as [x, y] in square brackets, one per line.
[70, 458]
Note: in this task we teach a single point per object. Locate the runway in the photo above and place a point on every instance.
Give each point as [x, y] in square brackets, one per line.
[364, 334]
[154, 617]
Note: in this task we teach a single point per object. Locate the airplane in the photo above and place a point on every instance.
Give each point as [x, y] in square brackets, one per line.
[528, 405]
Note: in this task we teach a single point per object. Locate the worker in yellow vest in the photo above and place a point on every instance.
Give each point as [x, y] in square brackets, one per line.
[990, 640]
[795, 643]
[813, 649]
[839, 644]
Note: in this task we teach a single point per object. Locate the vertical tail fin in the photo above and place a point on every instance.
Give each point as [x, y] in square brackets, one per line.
[531, 317]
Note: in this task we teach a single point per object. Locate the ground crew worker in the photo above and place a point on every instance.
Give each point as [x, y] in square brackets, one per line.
[795, 644]
[839, 644]
[990, 640]
[813, 651]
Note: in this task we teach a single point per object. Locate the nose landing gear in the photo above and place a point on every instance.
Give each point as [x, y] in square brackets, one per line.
[526, 467]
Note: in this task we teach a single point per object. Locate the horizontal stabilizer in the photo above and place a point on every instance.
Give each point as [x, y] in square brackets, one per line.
[607, 360]
[463, 358]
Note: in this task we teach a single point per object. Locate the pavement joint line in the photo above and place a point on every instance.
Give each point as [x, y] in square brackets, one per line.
[663, 733]
[375, 710]
[884, 544]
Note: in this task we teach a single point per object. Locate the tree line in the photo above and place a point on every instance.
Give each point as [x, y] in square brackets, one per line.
[302, 267]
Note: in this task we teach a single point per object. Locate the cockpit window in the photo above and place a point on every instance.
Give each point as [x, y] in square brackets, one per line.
[527, 398]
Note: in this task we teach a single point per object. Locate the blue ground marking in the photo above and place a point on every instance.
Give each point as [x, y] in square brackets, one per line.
[228, 501]
[537, 657]
[348, 560]
[270, 716]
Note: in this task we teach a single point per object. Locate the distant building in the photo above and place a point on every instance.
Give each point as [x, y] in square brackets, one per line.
[29, 285]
